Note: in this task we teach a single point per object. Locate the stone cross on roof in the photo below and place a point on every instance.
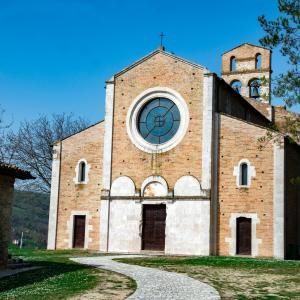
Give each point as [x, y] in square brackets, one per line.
[162, 47]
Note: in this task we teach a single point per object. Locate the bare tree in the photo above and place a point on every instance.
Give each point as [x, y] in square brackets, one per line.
[4, 150]
[31, 146]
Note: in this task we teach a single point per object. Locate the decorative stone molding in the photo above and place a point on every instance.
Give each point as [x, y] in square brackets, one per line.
[87, 169]
[122, 186]
[70, 228]
[278, 201]
[246, 71]
[154, 186]
[108, 129]
[232, 240]
[237, 173]
[107, 158]
[55, 178]
[139, 102]
[207, 129]
[245, 58]
[188, 186]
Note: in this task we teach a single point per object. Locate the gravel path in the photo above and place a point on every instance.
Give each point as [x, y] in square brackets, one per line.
[154, 284]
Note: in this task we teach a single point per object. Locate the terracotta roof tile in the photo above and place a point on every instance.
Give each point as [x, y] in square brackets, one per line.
[14, 171]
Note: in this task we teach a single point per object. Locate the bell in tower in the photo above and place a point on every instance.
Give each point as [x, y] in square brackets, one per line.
[236, 85]
[254, 88]
[251, 66]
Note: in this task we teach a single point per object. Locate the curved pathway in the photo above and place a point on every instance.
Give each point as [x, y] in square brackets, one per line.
[154, 284]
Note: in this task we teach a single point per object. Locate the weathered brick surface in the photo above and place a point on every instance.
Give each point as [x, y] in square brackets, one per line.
[262, 107]
[127, 159]
[238, 140]
[245, 68]
[280, 114]
[88, 145]
[245, 54]
[6, 202]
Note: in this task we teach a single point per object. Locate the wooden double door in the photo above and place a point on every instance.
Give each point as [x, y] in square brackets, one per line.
[79, 232]
[243, 238]
[154, 226]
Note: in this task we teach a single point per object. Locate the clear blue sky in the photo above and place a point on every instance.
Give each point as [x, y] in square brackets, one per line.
[56, 55]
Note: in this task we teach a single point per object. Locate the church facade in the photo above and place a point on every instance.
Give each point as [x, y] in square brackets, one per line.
[176, 165]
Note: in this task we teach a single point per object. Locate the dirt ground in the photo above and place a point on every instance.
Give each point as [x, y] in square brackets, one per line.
[244, 284]
[114, 286]
[235, 277]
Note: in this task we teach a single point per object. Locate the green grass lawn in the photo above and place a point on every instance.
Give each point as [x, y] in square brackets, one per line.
[60, 278]
[235, 277]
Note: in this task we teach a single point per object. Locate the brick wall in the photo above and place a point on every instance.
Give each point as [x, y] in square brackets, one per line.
[245, 68]
[88, 145]
[246, 53]
[127, 159]
[280, 115]
[6, 202]
[238, 140]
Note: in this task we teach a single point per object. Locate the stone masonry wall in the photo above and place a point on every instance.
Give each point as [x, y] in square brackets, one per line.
[6, 202]
[246, 53]
[280, 115]
[245, 68]
[87, 144]
[164, 71]
[238, 140]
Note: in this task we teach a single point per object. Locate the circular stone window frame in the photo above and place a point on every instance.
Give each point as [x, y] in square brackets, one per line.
[134, 111]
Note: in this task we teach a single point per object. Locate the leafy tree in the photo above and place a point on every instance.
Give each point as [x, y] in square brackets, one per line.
[30, 147]
[284, 33]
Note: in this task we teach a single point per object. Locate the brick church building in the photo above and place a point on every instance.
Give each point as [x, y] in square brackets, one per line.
[176, 166]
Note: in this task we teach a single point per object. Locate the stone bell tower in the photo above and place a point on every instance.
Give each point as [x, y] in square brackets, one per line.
[247, 68]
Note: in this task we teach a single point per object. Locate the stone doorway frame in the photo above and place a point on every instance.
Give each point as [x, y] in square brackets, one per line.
[255, 242]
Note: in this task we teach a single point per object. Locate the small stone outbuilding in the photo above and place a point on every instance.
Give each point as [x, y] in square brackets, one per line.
[8, 174]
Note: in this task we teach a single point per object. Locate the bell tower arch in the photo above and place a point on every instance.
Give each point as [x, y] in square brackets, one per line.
[247, 68]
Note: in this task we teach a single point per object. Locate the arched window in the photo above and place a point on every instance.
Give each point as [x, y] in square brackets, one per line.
[244, 174]
[254, 88]
[258, 61]
[236, 85]
[81, 173]
[232, 64]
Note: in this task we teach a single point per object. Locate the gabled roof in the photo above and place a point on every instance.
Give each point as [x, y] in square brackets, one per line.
[77, 132]
[14, 171]
[161, 51]
[246, 44]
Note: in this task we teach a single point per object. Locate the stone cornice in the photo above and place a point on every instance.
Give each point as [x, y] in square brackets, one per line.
[157, 199]
[245, 58]
[247, 72]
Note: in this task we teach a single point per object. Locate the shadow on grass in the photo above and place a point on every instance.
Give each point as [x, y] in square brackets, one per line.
[48, 270]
